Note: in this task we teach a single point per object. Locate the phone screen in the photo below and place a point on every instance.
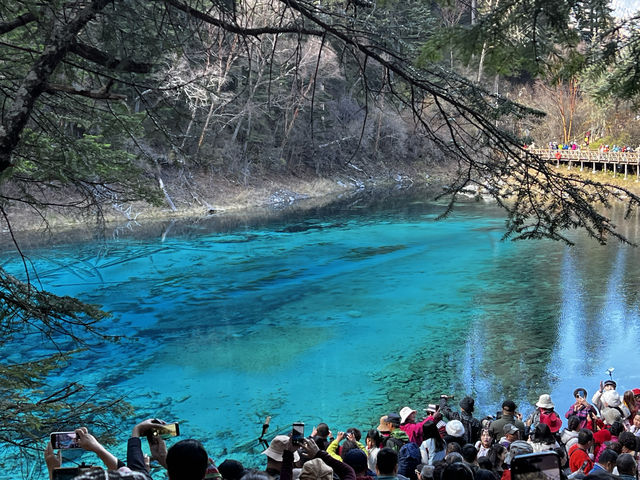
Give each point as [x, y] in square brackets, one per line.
[536, 466]
[168, 430]
[297, 432]
[64, 440]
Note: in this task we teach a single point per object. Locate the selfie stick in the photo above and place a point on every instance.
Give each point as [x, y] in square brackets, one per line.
[265, 427]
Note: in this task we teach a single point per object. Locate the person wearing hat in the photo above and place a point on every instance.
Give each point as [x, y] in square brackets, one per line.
[279, 450]
[455, 433]
[604, 387]
[392, 436]
[472, 425]
[320, 466]
[511, 434]
[518, 447]
[544, 413]
[508, 416]
[582, 409]
[409, 426]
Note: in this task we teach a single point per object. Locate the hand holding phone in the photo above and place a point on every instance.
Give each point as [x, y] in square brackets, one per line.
[167, 430]
[63, 440]
[297, 433]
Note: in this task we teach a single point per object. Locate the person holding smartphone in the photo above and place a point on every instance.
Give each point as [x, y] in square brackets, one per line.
[86, 441]
[582, 409]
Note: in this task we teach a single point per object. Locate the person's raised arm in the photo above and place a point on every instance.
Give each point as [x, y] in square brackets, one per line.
[89, 443]
[51, 459]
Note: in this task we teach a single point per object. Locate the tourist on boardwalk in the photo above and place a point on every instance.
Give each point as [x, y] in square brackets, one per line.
[544, 413]
[433, 447]
[635, 427]
[582, 409]
[611, 400]
[497, 456]
[600, 440]
[628, 442]
[387, 465]
[321, 435]
[471, 425]
[392, 436]
[357, 460]
[321, 465]
[275, 454]
[511, 434]
[508, 416]
[231, 469]
[455, 433]
[629, 403]
[627, 467]
[457, 471]
[519, 447]
[605, 464]
[409, 458]
[338, 451]
[569, 435]
[604, 387]
[470, 457]
[542, 439]
[373, 442]
[409, 426]
[579, 453]
[484, 444]
[187, 460]
[426, 472]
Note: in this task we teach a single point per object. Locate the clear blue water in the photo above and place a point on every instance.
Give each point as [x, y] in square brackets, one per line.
[342, 315]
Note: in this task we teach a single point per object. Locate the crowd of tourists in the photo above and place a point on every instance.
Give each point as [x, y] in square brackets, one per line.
[603, 148]
[596, 439]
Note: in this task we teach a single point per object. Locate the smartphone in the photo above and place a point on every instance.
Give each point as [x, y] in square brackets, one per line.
[536, 466]
[64, 440]
[167, 430]
[297, 432]
[69, 473]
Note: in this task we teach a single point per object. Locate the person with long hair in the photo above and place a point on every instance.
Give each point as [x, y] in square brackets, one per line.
[497, 455]
[484, 444]
[629, 401]
[373, 441]
[433, 447]
[542, 439]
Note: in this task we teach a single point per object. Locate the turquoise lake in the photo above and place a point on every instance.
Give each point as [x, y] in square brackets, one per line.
[343, 314]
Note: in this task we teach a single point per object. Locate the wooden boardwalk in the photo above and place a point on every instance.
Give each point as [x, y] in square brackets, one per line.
[627, 162]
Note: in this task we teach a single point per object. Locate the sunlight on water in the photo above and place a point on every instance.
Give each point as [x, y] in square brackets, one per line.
[344, 316]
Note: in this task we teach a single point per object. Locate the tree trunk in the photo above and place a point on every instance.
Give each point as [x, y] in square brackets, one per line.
[61, 39]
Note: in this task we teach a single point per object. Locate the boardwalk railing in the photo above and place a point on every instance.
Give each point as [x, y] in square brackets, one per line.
[592, 157]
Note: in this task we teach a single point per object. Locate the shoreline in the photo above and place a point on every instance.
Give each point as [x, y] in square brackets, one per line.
[230, 205]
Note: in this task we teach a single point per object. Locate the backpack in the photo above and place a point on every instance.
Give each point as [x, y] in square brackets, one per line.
[394, 443]
[472, 427]
[408, 459]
